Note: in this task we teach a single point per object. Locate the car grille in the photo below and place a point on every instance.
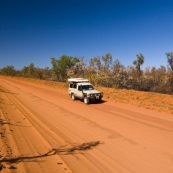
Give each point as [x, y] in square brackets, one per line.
[95, 94]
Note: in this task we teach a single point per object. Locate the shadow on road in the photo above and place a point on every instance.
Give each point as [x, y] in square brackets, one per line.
[77, 148]
[62, 150]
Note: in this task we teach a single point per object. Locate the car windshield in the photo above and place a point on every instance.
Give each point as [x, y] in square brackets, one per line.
[87, 87]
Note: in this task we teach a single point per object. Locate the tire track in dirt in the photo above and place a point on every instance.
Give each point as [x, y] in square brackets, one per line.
[23, 149]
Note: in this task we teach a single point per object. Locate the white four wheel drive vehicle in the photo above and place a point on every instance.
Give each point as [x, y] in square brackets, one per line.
[80, 88]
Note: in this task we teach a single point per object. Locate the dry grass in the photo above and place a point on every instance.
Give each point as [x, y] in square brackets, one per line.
[148, 100]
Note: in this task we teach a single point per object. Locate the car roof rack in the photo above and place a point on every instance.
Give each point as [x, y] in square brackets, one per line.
[77, 80]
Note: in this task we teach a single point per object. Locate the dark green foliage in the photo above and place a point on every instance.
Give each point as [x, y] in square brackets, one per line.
[8, 70]
[62, 65]
[170, 59]
[139, 61]
[24, 72]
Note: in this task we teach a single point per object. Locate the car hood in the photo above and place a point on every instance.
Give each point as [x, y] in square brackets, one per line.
[91, 91]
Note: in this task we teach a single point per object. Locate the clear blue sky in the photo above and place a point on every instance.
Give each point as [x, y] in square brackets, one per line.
[35, 30]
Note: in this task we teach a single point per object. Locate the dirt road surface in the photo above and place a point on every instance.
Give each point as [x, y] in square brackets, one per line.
[43, 130]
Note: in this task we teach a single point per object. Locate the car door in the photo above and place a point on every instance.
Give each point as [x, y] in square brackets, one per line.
[79, 91]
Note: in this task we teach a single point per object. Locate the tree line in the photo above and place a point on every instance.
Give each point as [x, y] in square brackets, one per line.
[103, 71]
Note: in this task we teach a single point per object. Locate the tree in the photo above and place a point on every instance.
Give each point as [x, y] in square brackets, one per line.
[138, 63]
[105, 70]
[31, 70]
[62, 65]
[170, 59]
[24, 71]
[94, 65]
[107, 59]
[8, 70]
[79, 69]
[117, 67]
[97, 62]
[170, 76]
[28, 71]
[47, 73]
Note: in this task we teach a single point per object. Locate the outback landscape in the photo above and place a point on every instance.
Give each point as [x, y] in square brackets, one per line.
[43, 130]
[116, 117]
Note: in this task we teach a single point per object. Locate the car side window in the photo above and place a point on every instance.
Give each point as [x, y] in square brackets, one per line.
[74, 85]
[71, 85]
[80, 88]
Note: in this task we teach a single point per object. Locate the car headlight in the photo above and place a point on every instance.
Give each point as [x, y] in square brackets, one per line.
[88, 95]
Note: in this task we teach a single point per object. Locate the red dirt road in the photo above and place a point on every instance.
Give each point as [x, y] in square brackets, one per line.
[43, 130]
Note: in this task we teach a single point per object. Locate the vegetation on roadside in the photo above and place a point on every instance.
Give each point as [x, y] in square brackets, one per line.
[103, 71]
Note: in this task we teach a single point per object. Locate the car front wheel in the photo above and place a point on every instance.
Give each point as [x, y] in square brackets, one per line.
[73, 97]
[86, 100]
